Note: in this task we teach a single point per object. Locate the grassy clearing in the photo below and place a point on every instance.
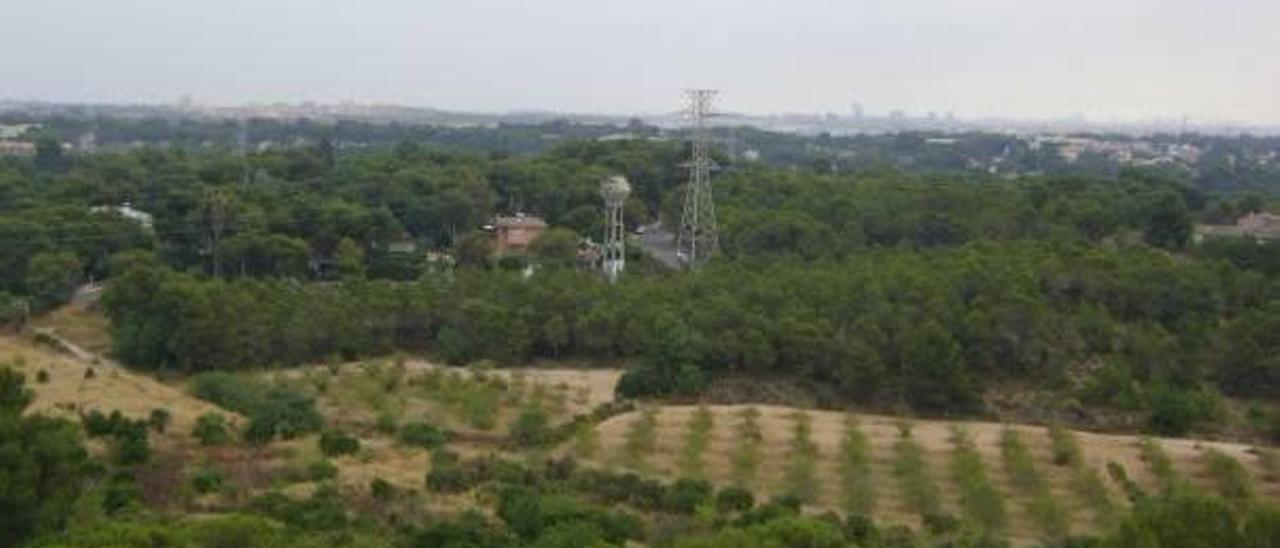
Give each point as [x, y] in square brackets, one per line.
[1158, 463]
[697, 436]
[979, 499]
[912, 473]
[801, 481]
[746, 455]
[1052, 518]
[640, 439]
[856, 482]
[1232, 480]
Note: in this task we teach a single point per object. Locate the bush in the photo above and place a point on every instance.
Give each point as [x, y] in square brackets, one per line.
[42, 376]
[273, 411]
[132, 446]
[421, 434]
[334, 443]
[530, 428]
[1066, 451]
[211, 429]
[746, 455]
[1173, 412]
[857, 483]
[447, 474]
[159, 420]
[321, 470]
[979, 498]
[386, 424]
[734, 499]
[685, 495]
[912, 473]
[690, 380]
[381, 490]
[206, 479]
[643, 381]
[640, 439]
[696, 437]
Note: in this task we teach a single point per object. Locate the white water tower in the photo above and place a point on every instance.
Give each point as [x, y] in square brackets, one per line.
[614, 190]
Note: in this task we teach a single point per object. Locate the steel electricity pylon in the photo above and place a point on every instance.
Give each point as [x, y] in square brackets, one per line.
[698, 239]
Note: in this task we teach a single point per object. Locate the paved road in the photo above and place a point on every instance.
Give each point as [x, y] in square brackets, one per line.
[661, 244]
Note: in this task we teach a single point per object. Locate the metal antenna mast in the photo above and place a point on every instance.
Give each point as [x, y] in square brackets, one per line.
[698, 240]
[242, 145]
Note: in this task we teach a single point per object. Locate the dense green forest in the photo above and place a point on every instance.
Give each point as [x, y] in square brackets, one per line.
[883, 288]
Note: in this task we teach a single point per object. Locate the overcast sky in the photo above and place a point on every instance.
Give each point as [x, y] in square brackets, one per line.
[1106, 59]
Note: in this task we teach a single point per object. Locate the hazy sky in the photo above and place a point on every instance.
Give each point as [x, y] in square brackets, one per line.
[1107, 59]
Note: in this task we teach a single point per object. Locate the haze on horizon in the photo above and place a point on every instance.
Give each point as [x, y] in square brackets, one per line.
[1116, 60]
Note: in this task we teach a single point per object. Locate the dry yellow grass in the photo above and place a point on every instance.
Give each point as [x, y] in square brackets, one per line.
[68, 393]
[81, 324]
[933, 436]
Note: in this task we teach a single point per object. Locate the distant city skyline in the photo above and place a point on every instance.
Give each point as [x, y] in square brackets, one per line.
[1108, 61]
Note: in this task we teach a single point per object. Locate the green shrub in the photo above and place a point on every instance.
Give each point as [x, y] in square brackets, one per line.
[801, 481]
[640, 440]
[1233, 481]
[530, 428]
[1065, 449]
[912, 472]
[381, 490]
[159, 420]
[132, 447]
[1173, 412]
[1088, 485]
[321, 470]
[979, 498]
[42, 376]
[1043, 508]
[586, 440]
[734, 499]
[386, 424]
[206, 479]
[334, 443]
[1121, 478]
[273, 410]
[446, 474]
[1158, 463]
[211, 429]
[685, 495]
[421, 434]
[746, 454]
[697, 436]
[857, 483]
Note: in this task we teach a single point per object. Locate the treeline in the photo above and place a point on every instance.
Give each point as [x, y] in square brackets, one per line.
[925, 328]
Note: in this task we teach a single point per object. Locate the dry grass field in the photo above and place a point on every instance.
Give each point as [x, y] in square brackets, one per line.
[878, 465]
[776, 469]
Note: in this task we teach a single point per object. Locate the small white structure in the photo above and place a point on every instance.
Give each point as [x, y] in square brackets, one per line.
[614, 190]
[127, 211]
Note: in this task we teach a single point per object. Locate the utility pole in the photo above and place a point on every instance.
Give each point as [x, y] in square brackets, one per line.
[698, 239]
[242, 144]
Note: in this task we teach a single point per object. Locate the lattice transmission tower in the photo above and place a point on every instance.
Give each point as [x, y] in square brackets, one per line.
[698, 239]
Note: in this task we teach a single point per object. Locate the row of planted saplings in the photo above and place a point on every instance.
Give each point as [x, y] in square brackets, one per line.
[979, 499]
